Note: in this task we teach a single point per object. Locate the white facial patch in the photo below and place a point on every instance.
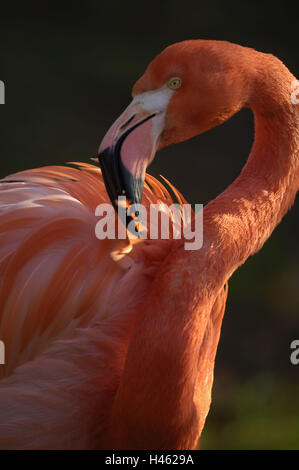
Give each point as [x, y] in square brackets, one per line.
[155, 102]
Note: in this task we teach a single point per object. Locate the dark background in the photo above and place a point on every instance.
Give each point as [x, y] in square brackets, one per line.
[68, 72]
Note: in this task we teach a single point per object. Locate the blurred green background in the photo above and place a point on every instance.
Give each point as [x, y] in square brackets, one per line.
[68, 72]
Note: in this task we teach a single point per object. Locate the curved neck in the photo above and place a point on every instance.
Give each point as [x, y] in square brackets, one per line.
[243, 217]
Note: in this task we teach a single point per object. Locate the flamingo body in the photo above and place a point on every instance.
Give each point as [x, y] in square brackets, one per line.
[64, 329]
[105, 356]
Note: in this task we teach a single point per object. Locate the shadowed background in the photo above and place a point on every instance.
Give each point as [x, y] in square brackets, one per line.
[68, 73]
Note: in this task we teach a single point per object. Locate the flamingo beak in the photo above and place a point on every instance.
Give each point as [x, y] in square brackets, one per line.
[125, 158]
[130, 145]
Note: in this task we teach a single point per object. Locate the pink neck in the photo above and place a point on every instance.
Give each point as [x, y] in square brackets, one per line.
[243, 217]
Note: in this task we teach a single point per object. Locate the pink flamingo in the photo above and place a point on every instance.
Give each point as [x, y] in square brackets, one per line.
[103, 356]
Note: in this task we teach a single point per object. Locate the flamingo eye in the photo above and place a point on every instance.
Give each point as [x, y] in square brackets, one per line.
[174, 83]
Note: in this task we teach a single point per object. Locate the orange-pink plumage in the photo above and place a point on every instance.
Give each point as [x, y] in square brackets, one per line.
[105, 355]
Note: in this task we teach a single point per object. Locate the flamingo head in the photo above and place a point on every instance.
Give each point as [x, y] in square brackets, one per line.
[189, 88]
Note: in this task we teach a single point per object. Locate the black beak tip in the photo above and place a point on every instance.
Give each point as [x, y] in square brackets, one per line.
[118, 179]
[110, 171]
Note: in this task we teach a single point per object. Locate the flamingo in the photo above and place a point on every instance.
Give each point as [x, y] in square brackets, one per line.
[110, 355]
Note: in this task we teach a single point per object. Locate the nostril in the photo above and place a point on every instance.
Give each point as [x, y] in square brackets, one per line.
[127, 122]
